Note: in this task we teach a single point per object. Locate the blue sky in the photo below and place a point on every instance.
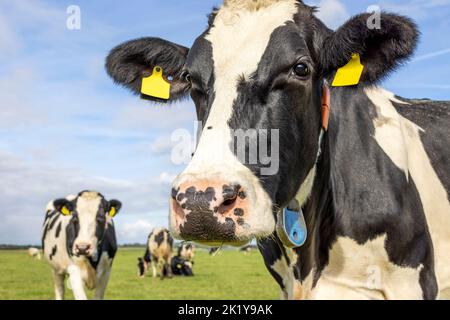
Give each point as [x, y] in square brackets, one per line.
[64, 126]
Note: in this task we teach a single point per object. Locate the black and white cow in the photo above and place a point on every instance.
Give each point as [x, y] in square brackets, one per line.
[213, 250]
[79, 240]
[158, 252]
[375, 200]
[186, 251]
[35, 253]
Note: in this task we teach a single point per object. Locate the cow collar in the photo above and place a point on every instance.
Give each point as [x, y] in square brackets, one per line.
[291, 226]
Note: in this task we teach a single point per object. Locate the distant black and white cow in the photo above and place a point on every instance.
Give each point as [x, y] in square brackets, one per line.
[246, 249]
[186, 251]
[213, 250]
[79, 240]
[375, 199]
[34, 253]
[159, 252]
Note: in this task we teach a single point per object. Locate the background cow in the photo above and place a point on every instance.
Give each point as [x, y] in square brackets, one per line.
[159, 252]
[79, 240]
[372, 177]
[186, 251]
[246, 249]
[213, 250]
[34, 253]
[142, 267]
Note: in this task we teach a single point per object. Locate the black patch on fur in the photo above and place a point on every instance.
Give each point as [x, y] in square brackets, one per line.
[52, 254]
[159, 237]
[272, 250]
[434, 118]
[52, 223]
[175, 192]
[72, 229]
[58, 230]
[238, 212]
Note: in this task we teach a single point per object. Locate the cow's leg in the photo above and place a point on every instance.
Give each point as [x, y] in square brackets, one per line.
[103, 274]
[168, 267]
[102, 282]
[162, 268]
[154, 266]
[76, 282]
[58, 280]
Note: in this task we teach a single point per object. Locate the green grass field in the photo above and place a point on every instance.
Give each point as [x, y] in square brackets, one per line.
[228, 275]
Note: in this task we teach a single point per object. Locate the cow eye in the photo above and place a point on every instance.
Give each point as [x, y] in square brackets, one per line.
[185, 76]
[301, 70]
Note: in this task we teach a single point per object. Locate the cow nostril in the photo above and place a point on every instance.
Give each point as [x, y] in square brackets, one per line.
[229, 202]
[227, 205]
[82, 248]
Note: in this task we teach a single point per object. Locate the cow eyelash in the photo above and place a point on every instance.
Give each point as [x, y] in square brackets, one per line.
[186, 76]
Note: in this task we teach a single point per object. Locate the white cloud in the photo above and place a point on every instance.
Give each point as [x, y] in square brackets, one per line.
[9, 41]
[162, 145]
[167, 178]
[18, 92]
[26, 188]
[145, 115]
[432, 55]
[332, 12]
[418, 9]
[135, 231]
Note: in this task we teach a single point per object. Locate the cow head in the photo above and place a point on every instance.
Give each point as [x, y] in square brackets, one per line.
[260, 65]
[186, 251]
[90, 213]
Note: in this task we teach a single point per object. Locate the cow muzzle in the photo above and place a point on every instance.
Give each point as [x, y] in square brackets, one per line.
[216, 211]
[83, 249]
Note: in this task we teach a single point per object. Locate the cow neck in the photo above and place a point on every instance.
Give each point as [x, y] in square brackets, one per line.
[349, 114]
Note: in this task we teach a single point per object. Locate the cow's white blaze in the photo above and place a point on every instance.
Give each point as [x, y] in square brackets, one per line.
[87, 207]
[400, 140]
[239, 38]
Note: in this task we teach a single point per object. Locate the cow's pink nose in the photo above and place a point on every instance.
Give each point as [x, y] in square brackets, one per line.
[209, 210]
[82, 248]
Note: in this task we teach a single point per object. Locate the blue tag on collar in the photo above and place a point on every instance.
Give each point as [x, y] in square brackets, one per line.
[292, 228]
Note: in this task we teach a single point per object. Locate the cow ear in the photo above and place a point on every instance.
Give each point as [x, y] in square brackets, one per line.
[64, 206]
[134, 60]
[114, 207]
[381, 47]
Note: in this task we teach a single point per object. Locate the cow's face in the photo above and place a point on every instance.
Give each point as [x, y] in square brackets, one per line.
[261, 65]
[90, 215]
[186, 251]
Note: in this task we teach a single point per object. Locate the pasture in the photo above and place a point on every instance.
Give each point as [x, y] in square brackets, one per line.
[228, 275]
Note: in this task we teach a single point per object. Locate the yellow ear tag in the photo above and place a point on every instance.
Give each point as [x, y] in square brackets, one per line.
[112, 212]
[350, 74]
[155, 85]
[65, 211]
